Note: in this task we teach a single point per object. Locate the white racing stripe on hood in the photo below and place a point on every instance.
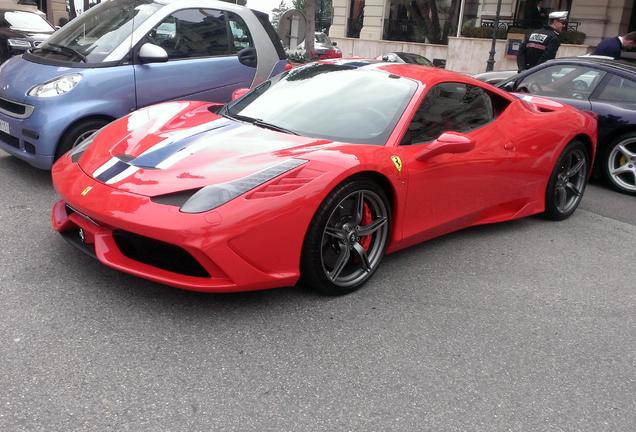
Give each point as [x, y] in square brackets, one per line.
[102, 169]
[201, 144]
[122, 175]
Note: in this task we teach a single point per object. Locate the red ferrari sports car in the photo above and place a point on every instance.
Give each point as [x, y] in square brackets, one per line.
[315, 175]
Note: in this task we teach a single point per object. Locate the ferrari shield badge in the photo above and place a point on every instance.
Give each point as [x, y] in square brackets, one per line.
[397, 162]
[86, 190]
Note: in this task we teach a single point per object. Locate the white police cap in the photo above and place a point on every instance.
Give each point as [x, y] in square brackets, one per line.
[559, 15]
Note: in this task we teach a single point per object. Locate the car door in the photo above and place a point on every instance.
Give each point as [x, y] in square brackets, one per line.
[450, 191]
[210, 54]
[567, 83]
[614, 102]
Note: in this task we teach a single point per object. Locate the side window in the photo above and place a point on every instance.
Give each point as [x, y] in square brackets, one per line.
[449, 107]
[567, 81]
[239, 33]
[192, 33]
[619, 89]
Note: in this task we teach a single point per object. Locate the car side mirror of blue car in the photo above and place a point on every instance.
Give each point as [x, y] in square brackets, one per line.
[509, 86]
[151, 53]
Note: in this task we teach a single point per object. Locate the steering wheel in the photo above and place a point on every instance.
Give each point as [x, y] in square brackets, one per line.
[579, 85]
[374, 117]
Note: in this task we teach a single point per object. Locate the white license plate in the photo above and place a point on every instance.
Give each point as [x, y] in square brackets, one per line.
[4, 127]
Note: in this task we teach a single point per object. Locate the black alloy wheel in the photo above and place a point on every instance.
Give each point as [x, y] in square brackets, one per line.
[567, 182]
[347, 238]
[619, 164]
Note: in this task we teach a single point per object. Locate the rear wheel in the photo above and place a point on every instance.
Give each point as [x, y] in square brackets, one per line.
[567, 182]
[78, 133]
[619, 163]
[347, 238]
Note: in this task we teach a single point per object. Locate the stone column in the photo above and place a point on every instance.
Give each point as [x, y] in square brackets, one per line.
[340, 14]
[373, 27]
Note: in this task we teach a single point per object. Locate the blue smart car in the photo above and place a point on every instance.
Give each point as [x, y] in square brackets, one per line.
[122, 55]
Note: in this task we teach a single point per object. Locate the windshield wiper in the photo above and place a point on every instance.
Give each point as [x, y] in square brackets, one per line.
[61, 49]
[258, 122]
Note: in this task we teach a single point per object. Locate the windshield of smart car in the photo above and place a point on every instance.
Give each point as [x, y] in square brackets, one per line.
[323, 39]
[25, 21]
[92, 36]
[329, 101]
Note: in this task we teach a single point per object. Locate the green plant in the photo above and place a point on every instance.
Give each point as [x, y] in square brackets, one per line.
[572, 37]
[518, 30]
[297, 56]
[483, 32]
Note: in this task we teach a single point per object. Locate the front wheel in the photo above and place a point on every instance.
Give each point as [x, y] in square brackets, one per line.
[567, 182]
[347, 238]
[619, 163]
[78, 133]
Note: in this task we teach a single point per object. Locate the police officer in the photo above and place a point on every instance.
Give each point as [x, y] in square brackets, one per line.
[542, 44]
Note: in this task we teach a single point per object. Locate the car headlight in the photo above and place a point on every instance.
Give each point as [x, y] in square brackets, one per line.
[56, 87]
[211, 197]
[77, 151]
[19, 43]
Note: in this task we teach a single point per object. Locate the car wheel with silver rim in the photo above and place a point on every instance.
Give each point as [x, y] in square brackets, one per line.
[619, 165]
[78, 133]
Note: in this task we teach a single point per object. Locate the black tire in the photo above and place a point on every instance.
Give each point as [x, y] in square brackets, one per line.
[337, 257]
[619, 163]
[567, 182]
[77, 133]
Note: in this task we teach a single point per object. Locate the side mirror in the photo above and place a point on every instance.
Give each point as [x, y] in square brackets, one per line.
[239, 93]
[334, 43]
[151, 53]
[448, 142]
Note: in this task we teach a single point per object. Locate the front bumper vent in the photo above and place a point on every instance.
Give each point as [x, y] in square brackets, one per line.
[158, 254]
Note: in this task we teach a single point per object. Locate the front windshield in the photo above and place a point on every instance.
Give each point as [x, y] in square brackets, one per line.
[26, 21]
[96, 33]
[331, 101]
[415, 59]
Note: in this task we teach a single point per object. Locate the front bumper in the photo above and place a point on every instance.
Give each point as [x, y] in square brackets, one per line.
[230, 244]
[21, 134]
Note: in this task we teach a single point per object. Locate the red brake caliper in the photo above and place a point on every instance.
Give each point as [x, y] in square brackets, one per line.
[367, 218]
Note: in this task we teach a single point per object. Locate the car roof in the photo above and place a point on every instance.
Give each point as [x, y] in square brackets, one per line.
[606, 62]
[420, 73]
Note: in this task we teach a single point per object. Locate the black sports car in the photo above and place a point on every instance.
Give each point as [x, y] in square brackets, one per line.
[601, 85]
[21, 30]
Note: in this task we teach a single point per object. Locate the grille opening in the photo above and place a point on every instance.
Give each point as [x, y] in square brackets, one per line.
[12, 107]
[11, 140]
[158, 254]
[73, 237]
[30, 148]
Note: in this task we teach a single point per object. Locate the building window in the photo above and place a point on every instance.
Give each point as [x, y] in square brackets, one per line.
[356, 18]
[426, 21]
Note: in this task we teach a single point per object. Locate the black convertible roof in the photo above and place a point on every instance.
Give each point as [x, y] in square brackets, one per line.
[624, 65]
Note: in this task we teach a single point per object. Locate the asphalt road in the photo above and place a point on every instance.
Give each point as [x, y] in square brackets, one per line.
[523, 326]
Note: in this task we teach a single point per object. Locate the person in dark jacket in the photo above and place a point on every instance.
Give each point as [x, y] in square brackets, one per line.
[542, 44]
[612, 47]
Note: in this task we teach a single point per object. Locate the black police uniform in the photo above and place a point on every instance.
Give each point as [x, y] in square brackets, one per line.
[540, 46]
